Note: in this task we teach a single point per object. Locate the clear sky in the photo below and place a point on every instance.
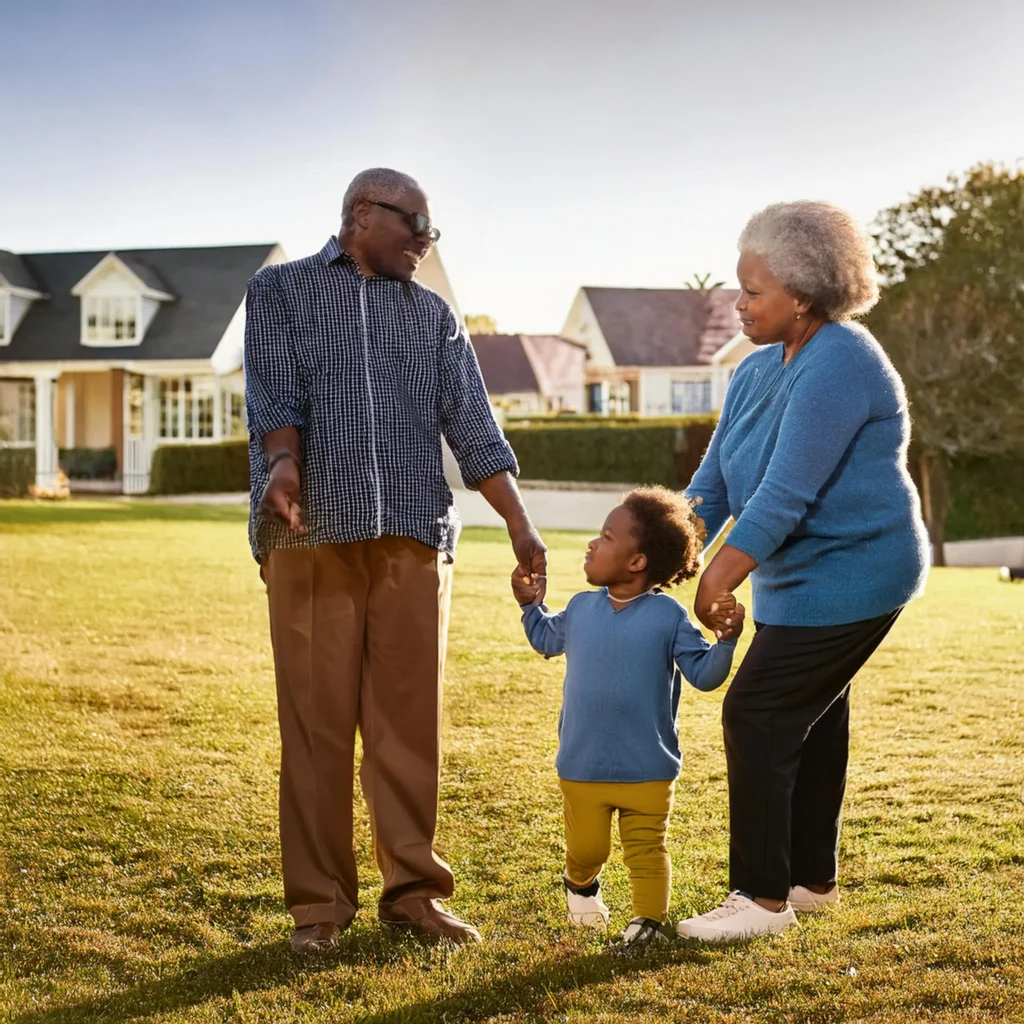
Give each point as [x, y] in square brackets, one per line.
[562, 143]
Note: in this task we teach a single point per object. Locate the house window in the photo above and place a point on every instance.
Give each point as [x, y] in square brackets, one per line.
[233, 411]
[3, 318]
[188, 409]
[17, 412]
[110, 318]
[691, 396]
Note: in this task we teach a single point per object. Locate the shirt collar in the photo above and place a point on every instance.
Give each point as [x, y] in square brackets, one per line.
[332, 252]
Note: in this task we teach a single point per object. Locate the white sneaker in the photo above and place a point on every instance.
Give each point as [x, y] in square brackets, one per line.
[586, 911]
[737, 918]
[807, 901]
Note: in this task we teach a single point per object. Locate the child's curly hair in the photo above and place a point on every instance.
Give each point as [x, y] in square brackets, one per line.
[668, 532]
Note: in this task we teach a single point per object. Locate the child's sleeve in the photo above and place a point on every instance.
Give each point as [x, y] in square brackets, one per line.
[545, 630]
[706, 666]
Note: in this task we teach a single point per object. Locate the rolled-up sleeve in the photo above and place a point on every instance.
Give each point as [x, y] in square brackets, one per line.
[467, 420]
[272, 395]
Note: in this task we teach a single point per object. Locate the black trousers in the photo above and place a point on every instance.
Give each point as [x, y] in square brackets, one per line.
[786, 720]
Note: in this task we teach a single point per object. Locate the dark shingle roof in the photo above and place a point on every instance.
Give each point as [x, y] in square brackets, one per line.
[146, 274]
[208, 284]
[14, 271]
[504, 364]
[664, 326]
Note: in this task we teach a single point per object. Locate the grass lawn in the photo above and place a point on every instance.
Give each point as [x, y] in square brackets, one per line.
[138, 835]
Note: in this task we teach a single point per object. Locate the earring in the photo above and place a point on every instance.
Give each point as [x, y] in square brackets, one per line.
[798, 316]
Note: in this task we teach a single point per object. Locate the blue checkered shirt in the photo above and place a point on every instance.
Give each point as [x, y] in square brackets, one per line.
[372, 371]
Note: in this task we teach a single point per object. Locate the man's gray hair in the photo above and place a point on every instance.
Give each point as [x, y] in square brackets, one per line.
[380, 183]
[819, 253]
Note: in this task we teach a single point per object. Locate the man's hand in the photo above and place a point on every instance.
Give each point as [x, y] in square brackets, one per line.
[526, 588]
[532, 554]
[281, 499]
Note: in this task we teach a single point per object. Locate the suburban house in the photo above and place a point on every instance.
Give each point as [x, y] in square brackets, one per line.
[532, 373]
[123, 351]
[657, 351]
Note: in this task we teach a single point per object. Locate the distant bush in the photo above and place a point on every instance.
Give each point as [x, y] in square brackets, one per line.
[602, 449]
[200, 468]
[17, 471]
[986, 499]
[88, 463]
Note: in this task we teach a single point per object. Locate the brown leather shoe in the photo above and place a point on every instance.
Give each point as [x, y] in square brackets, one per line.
[428, 917]
[314, 938]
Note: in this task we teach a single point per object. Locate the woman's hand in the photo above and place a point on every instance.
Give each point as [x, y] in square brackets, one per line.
[721, 613]
[715, 604]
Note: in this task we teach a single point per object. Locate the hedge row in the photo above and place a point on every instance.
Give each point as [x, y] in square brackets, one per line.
[88, 463]
[199, 468]
[17, 471]
[603, 450]
[986, 499]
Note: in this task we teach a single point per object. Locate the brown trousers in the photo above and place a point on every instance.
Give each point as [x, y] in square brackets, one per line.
[359, 633]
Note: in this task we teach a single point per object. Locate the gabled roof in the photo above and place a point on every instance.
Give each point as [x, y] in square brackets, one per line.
[208, 284]
[664, 326]
[504, 364]
[15, 273]
[146, 279]
[526, 363]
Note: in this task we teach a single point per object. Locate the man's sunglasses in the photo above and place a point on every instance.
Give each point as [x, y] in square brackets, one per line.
[418, 222]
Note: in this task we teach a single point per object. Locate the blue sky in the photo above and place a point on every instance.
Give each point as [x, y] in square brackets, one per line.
[562, 142]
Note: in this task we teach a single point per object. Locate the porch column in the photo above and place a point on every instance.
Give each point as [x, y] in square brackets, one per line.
[46, 446]
[218, 409]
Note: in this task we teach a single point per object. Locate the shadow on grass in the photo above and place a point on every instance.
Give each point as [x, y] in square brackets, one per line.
[47, 513]
[535, 991]
[272, 964]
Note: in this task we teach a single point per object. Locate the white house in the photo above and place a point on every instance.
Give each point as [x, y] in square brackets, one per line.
[656, 351]
[127, 350]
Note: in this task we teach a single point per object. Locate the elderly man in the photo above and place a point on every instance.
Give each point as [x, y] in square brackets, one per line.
[353, 374]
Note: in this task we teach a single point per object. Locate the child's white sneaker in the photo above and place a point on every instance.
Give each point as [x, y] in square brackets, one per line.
[738, 917]
[587, 911]
[807, 901]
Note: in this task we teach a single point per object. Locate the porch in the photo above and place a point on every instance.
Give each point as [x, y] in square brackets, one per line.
[112, 419]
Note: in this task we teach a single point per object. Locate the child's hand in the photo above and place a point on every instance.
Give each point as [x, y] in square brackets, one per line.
[526, 588]
[725, 616]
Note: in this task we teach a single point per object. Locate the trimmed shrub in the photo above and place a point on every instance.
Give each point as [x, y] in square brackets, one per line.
[612, 450]
[17, 471]
[88, 463]
[986, 499]
[199, 468]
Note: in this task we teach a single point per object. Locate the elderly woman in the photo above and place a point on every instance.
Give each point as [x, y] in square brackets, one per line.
[809, 459]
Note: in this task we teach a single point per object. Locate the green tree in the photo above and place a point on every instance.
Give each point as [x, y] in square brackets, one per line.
[951, 317]
[480, 323]
[700, 283]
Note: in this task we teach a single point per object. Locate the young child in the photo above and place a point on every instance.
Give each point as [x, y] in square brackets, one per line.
[626, 646]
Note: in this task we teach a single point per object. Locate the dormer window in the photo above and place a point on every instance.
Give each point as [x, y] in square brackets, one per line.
[4, 317]
[110, 319]
[120, 296]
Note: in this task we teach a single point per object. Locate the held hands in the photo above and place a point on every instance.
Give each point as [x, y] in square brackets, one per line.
[722, 614]
[528, 588]
[281, 498]
[532, 569]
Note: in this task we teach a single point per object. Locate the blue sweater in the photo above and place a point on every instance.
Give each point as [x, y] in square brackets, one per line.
[810, 458]
[622, 682]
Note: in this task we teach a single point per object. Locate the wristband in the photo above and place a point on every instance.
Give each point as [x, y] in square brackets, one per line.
[275, 459]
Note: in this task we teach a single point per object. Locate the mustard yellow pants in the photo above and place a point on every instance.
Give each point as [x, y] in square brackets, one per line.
[644, 809]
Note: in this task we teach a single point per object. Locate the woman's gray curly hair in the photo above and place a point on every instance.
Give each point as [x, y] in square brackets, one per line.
[819, 253]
